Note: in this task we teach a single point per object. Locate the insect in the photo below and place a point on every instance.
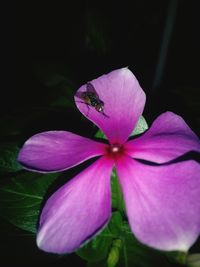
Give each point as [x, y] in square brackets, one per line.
[91, 99]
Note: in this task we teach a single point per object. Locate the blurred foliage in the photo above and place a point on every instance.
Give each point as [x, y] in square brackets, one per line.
[21, 198]
[59, 87]
[8, 155]
[193, 260]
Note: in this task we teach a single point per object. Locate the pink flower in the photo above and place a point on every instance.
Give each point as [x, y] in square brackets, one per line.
[162, 200]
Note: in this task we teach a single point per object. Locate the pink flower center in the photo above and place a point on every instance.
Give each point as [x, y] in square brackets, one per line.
[115, 150]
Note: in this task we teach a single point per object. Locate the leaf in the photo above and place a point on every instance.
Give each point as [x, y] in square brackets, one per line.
[8, 157]
[141, 126]
[21, 199]
[115, 224]
[121, 249]
[177, 256]
[136, 254]
[193, 260]
[97, 249]
[117, 198]
[100, 134]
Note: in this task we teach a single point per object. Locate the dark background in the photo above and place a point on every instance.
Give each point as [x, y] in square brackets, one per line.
[85, 39]
[82, 40]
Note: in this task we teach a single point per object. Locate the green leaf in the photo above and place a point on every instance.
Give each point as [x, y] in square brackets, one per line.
[117, 198]
[22, 197]
[141, 126]
[193, 260]
[115, 224]
[121, 249]
[100, 134]
[97, 249]
[177, 256]
[8, 157]
[136, 254]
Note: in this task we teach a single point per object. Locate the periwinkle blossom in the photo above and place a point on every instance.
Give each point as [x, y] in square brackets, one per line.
[162, 200]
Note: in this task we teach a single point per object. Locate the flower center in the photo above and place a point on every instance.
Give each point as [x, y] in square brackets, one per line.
[115, 150]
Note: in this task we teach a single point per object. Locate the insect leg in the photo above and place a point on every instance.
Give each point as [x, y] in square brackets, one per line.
[105, 115]
[81, 102]
[88, 110]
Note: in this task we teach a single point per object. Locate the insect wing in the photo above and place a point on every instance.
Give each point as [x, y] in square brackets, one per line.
[90, 88]
[89, 93]
[80, 95]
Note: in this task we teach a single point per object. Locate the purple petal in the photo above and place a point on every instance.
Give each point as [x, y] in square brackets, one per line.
[162, 202]
[168, 138]
[57, 150]
[77, 210]
[123, 101]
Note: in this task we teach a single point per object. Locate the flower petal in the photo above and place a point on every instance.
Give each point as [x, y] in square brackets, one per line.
[57, 150]
[77, 210]
[123, 100]
[162, 202]
[168, 138]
